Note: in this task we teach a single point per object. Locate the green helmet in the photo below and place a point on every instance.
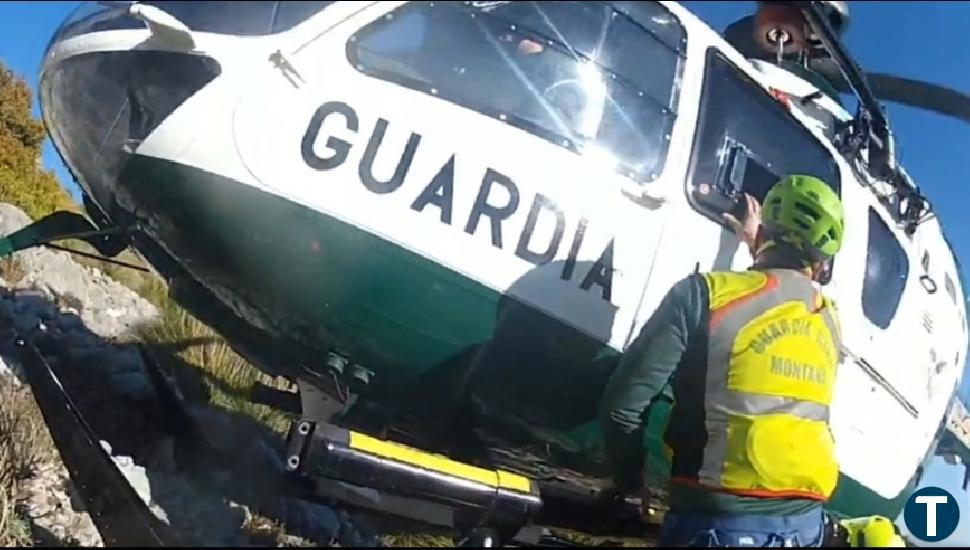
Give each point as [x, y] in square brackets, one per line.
[805, 212]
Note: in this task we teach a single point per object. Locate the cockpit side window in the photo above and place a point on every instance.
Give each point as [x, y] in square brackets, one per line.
[587, 76]
[746, 141]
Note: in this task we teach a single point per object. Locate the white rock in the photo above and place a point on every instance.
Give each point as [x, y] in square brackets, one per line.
[136, 477]
[6, 371]
[55, 274]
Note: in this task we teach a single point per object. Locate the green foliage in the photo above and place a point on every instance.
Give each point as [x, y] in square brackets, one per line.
[23, 182]
[23, 441]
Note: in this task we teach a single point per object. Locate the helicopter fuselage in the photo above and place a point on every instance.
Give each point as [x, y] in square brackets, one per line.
[482, 218]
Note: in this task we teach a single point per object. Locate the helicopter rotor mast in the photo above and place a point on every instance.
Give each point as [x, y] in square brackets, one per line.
[871, 123]
[878, 122]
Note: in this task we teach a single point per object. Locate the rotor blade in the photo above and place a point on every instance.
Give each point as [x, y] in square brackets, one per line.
[924, 95]
[906, 91]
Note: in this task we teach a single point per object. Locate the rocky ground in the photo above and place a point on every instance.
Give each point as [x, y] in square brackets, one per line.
[84, 323]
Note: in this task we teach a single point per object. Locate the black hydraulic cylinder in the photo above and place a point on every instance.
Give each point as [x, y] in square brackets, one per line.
[478, 496]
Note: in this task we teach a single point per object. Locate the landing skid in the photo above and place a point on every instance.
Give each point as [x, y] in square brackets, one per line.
[117, 511]
[64, 225]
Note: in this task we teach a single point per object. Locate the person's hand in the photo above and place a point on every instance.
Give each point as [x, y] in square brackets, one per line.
[747, 229]
[529, 47]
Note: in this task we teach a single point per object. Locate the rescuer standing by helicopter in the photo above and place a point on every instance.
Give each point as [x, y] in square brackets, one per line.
[751, 358]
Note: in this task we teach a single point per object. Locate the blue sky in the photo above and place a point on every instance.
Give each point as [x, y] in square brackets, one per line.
[924, 40]
[25, 28]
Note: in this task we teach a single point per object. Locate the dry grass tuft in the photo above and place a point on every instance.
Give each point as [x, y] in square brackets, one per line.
[11, 270]
[417, 540]
[14, 528]
[24, 444]
[263, 532]
[226, 377]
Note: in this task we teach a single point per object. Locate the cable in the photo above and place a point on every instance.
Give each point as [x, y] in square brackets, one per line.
[97, 257]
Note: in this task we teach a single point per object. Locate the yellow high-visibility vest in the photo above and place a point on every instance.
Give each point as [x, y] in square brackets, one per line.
[772, 350]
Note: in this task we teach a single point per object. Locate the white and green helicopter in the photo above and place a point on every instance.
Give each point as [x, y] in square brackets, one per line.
[446, 220]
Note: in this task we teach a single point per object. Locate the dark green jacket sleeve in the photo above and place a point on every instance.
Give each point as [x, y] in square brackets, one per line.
[643, 372]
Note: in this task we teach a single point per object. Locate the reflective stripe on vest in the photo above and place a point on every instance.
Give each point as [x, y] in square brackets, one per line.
[772, 354]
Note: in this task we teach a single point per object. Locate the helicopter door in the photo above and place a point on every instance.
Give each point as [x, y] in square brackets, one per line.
[899, 301]
[881, 401]
[745, 142]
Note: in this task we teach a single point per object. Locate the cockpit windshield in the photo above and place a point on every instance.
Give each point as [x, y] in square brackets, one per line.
[600, 78]
[241, 18]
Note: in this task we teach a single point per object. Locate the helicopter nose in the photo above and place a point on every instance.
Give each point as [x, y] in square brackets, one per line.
[101, 95]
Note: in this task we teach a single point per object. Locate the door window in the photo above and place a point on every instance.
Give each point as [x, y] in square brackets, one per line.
[887, 268]
[746, 141]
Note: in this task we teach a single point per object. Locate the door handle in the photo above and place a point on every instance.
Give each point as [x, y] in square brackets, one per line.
[641, 197]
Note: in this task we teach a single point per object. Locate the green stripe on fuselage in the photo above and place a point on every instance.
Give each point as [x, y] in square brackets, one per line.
[313, 279]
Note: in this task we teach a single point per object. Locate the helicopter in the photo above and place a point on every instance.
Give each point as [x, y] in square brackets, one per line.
[445, 221]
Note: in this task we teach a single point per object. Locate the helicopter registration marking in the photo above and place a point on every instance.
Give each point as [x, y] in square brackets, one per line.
[439, 193]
